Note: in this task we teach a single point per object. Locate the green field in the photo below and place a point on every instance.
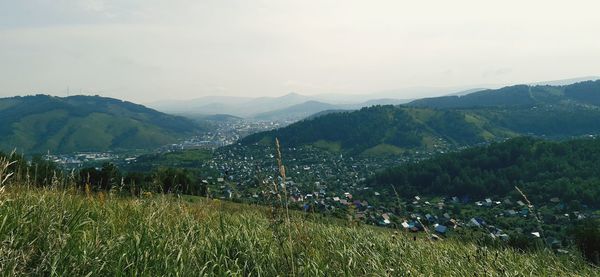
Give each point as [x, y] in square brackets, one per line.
[68, 233]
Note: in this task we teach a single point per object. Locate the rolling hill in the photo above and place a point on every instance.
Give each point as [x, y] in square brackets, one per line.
[237, 106]
[458, 121]
[313, 108]
[291, 106]
[302, 110]
[542, 169]
[582, 93]
[394, 129]
[41, 123]
[390, 127]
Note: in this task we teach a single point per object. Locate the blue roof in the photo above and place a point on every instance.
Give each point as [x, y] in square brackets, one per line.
[441, 229]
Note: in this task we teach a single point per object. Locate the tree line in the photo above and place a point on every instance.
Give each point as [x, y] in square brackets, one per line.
[40, 172]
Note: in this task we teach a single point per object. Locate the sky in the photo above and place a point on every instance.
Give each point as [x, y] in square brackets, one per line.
[149, 50]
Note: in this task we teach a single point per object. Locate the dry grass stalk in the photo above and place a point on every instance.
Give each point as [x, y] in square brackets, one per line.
[286, 203]
[88, 187]
[531, 210]
[399, 203]
[529, 205]
[5, 163]
[429, 236]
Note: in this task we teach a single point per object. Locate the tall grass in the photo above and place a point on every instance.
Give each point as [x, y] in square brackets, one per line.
[5, 173]
[55, 232]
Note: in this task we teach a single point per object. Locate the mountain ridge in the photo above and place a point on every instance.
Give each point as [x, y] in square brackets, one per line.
[479, 117]
[41, 123]
[586, 93]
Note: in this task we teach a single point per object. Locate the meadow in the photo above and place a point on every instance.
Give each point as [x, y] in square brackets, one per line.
[58, 232]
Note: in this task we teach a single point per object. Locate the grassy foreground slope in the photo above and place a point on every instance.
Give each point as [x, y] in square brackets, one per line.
[48, 232]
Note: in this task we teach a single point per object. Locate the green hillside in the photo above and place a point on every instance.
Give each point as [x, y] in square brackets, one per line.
[300, 111]
[370, 127]
[188, 159]
[542, 169]
[583, 93]
[489, 115]
[44, 123]
[395, 129]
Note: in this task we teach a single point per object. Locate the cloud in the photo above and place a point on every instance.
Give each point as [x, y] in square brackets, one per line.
[92, 5]
[496, 72]
[151, 49]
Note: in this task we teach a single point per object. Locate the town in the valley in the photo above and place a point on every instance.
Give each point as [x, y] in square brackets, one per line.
[325, 182]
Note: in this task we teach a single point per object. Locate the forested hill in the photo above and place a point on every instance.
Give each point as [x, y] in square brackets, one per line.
[583, 93]
[379, 126]
[542, 169]
[393, 129]
[44, 123]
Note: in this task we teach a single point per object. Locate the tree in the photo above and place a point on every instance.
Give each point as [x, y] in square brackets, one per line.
[587, 239]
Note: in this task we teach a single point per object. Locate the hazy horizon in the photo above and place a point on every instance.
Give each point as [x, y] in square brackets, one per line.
[145, 51]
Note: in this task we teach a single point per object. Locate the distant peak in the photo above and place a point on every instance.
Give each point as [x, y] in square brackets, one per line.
[314, 102]
[293, 94]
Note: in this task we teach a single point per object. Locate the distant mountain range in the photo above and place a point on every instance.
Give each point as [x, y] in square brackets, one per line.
[92, 123]
[556, 111]
[302, 110]
[41, 123]
[292, 106]
[310, 108]
[295, 106]
[237, 106]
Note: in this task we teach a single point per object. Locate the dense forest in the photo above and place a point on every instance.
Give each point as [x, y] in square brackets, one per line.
[558, 121]
[357, 131]
[583, 93]
[159, 180]
[38, 172]
[542, 169]
[407, 128]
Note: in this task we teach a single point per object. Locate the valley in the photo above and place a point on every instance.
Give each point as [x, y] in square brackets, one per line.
[465, 173]
[299, 138]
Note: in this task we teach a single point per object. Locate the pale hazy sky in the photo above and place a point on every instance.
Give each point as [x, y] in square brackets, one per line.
[144, 50]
